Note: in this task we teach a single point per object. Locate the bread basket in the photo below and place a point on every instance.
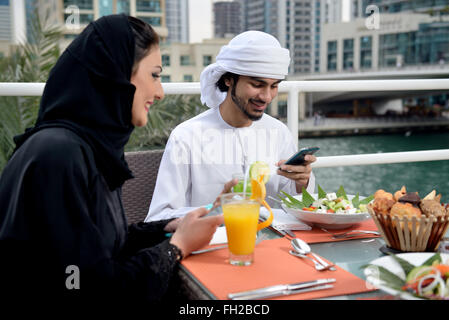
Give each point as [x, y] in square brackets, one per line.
[411, 234]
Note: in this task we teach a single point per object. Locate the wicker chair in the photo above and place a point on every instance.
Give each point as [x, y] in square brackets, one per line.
[138, 192]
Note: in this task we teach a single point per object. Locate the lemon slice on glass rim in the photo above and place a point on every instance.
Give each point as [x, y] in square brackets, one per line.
[259, 168]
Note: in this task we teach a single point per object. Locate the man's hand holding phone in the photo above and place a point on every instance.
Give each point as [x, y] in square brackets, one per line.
[297, 167]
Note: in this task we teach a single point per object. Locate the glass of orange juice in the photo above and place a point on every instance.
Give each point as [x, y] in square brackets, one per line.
[241, 216]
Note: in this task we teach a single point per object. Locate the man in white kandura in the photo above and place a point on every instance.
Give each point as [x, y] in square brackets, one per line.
[203, 153]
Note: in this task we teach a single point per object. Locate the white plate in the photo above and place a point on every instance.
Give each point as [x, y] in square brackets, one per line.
[415, 258]
[328, 220]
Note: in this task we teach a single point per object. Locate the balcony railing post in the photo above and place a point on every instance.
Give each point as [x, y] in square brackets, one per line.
[302, 105]
[292, 112]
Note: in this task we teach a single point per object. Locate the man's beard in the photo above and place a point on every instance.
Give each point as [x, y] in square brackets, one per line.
[241, 105]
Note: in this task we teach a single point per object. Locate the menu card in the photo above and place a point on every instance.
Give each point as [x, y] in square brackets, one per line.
[284, 220]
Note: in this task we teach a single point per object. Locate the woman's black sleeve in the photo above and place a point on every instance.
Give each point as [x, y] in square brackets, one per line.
[144, 235]
[55, 198]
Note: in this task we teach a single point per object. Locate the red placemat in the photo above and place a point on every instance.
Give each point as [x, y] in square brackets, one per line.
[273, 265]
[316, 235]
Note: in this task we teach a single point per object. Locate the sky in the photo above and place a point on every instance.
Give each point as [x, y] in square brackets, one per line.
[200, 16]
[345, 16]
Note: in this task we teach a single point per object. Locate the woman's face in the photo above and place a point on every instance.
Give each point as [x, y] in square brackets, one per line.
[146, 79]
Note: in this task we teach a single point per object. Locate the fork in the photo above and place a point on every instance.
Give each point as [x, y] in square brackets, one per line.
[350, 233]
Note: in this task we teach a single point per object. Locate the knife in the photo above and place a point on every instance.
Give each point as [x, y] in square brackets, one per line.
[283, 232]
[279, 232]
[283, 289]
[290, 233]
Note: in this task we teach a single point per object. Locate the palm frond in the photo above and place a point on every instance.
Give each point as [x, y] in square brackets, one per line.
[30, 62]
[163, 117]
[33, 61]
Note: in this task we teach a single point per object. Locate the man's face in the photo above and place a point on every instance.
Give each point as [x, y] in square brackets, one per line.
[252, 95]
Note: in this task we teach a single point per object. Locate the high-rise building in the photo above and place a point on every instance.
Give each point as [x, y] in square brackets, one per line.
[433, 7]
[177, 21]
[263, 15]
[12, 25]
[402, 40]
[5, 27]
[184, 62]
[356, 9]
[150, 11]
[296, 24]
[300, 30]
[331, 11]
[326, 12]
[227, 19]
[410, 32]
[75, 15]
[5, 20]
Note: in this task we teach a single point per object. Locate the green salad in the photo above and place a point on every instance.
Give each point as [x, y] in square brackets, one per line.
[333, 202]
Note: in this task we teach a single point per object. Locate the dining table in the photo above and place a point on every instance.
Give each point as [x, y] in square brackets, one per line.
[209, 276]
[349, 255]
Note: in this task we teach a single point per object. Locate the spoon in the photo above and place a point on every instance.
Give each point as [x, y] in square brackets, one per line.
[303, 248]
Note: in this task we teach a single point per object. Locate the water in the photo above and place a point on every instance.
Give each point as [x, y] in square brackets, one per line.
[416, 176]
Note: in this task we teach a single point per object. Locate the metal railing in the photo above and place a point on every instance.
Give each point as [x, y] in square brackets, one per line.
[293, 89]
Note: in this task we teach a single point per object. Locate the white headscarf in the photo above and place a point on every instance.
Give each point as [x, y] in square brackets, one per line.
[251, 53]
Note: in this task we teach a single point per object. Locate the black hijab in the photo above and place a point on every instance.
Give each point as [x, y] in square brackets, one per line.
[89, 92]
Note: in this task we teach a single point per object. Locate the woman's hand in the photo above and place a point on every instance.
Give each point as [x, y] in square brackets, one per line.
[195, 231]
[300, 173]
[172, 225]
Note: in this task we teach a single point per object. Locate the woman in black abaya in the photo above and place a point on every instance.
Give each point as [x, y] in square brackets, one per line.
[60, 193]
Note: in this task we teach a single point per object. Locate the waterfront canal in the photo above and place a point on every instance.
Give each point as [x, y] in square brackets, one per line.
[416, 176]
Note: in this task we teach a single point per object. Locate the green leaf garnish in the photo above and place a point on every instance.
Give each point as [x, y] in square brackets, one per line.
[286, 201]
[307, 198]
[321, 193]
[293, 201]
[432, 259]
[356, 200]
[341, 193]
[405, 265]
[367, 199]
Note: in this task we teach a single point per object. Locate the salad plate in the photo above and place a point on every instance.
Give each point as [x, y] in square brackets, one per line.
[374, 277]
[328, 220]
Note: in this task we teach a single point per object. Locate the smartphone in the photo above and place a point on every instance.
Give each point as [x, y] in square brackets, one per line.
[298, 157]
